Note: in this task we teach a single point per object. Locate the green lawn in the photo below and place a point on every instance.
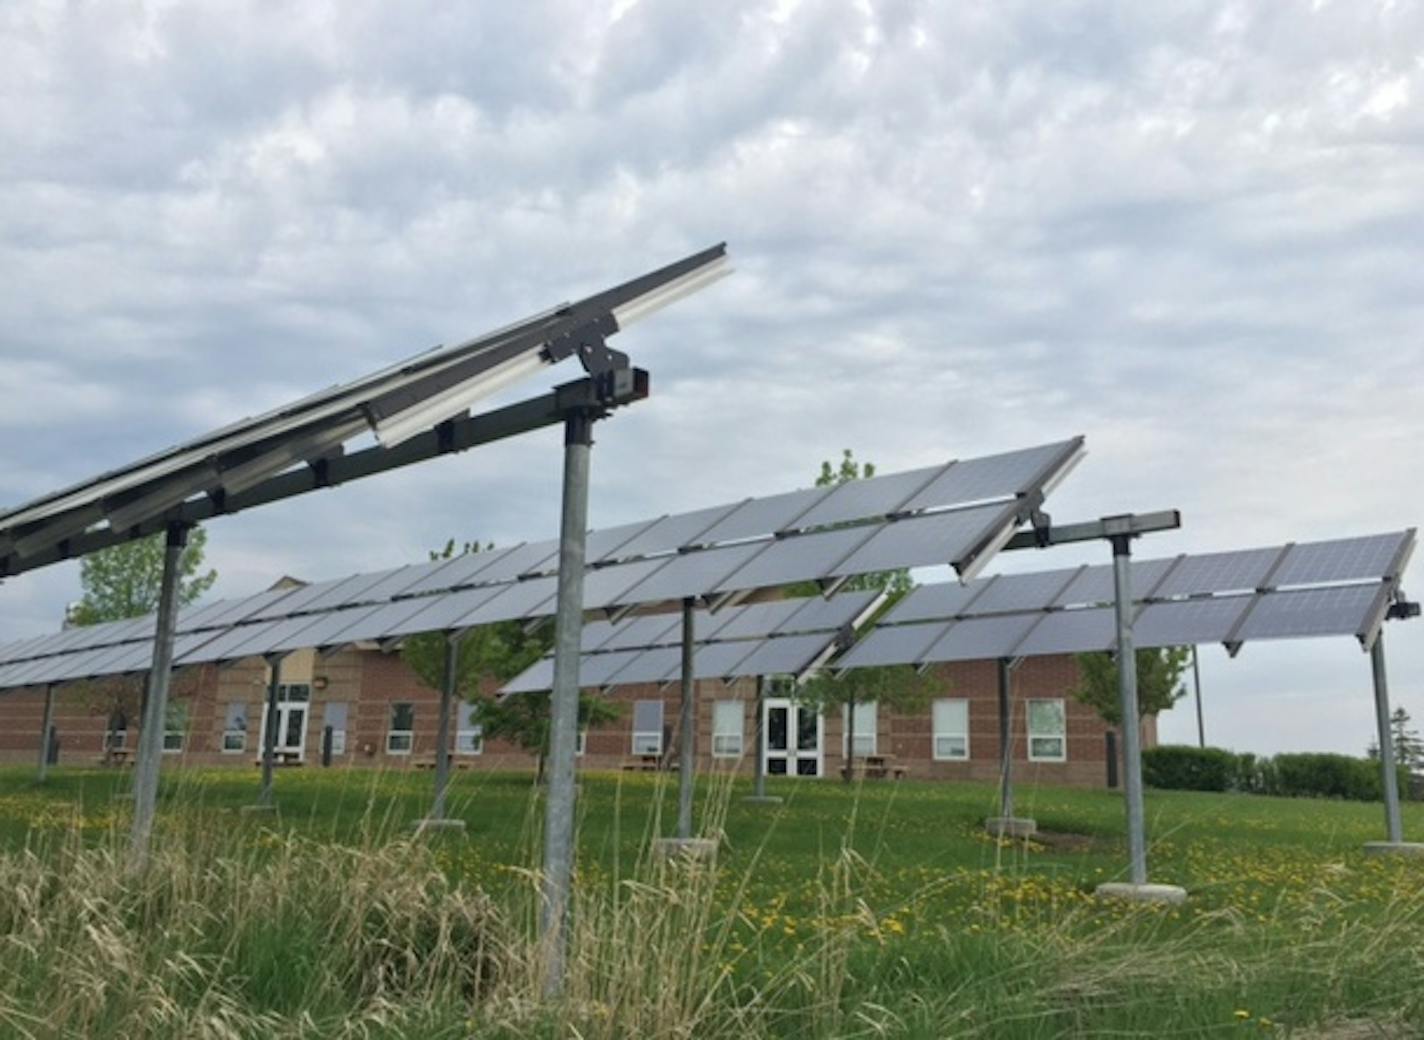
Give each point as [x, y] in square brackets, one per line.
[874, 910]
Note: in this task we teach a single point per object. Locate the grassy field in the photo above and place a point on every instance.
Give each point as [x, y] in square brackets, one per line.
[875, 910]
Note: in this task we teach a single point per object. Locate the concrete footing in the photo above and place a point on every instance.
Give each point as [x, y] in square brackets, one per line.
[763, 799]
[1394, 848]
[1011, 826]
[685, 848]
[1127, 892]
[429, 825]
[257, 809]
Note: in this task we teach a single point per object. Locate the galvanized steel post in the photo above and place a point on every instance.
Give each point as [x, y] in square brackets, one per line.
[759, 767]
[442, 737]
[150, 749]
[687, 750]
[46, 725]
[563, 721]
[1006, 739]
[1196, 685]
[1127, 703]
[1389, 775]
[269, 729]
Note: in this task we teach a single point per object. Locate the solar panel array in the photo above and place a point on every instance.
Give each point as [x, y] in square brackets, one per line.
[782, 637]
[956, 513]
[1339, 587]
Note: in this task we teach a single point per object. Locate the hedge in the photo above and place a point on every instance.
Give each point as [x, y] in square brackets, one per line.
[1313, 775]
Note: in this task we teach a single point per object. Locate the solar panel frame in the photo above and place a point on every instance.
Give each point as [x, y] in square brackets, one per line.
[1308, 613]
[785, 655]
[1094, 584]
[1243, 570]
[1081, 631]
[675, 531]
[1004, 475]
[893, 644]
[1189, 622]
[870, 497]
[979, 639]
[692, 573]
[796, 558]
[760, 517]
[1032, 590]
[952, 537]
[464, 569]
[1340, 560]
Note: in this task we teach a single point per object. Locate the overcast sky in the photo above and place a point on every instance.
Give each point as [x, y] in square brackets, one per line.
[1193, 232]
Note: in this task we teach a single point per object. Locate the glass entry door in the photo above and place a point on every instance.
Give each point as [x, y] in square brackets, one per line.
[792, 745]
[292, 704]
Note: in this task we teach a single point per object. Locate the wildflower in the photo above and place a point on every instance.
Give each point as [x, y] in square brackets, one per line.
[1242, 1014]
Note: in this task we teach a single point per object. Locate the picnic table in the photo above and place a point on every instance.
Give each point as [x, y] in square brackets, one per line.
[874, 767]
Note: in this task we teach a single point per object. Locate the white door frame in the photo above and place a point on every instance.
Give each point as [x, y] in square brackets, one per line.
[792, 754]
[284, 710]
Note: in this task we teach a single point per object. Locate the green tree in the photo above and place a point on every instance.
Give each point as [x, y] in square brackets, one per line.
[899, 687]
[1408, 748]
[1159, 681]
[123, 581]
[489, 655]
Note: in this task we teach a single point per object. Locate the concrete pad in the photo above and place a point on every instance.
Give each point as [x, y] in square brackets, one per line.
[1127, 892]
[696, 849]
[763, 799]
[427, 825]
[257, 809]
[1394, 848]
[1011, 826]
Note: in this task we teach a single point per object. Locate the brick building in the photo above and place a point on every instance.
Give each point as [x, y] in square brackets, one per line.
[381, 715]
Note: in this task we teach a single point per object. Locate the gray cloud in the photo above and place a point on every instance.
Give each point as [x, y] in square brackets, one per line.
[1191, 233]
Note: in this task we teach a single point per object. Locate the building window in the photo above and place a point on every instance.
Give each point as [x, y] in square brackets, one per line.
[117, 734]
[647, 727]
[1047, 731]
[951, 729]
[469, 734]
[175, 725]
[234, 738]
[334, 715]
[401, 736]
[727, 721]
[866, 723]
[581, 742]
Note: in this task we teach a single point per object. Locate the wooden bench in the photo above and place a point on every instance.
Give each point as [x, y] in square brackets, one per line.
[874, 767]
[282, 758]
[428, 762]
[117, 757]
[642, 764]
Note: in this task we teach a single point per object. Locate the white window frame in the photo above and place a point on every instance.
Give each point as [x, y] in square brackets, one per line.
[407, 734]
[228, 731]
[170, 746]
[1061, 736]
[581, 743]
[948, 734]
[728, 743]
[469, 735]
[338, 733]
[116, 739]
[870, 733]
[657, 748]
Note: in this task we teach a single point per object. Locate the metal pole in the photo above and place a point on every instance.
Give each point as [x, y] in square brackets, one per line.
[1006, 739]
[150, 749]
[686, 761]
[269, 730]
[442, 738]
[46, 725]
[759, 769]
[1394, 826]
[1127, 702]
[563, 721]
[1196, 683]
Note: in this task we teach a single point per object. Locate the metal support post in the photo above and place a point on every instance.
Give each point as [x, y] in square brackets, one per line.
[687, 750]
[150, 750]
[1127, 703]
[442, 738]
[269, 730]
[1196, 685]
[46, 728]
[1006, 739]
[563, 721]
[1389, 776]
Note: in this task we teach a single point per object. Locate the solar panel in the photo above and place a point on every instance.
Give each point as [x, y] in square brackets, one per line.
[444, 611]
[356, 589]
[653, 665]
[464, 569]
[296, 600]
[527, 599]
[874, 497]
[980, 639]
[221, 646]
[787, 655]
[246, 608]
[1188, 622]
[650, 630]
[820, 614]
[324, 629]
[1310, 612]
[996, 476]
[1071, 632]
[948, 538]
[608, 543]
[608, 586]
[941, 600]
[1033, 591]
[721, 660]
[602, 669]
[892, 644]
[537, 677]
[754, 621]
[366, 625]
[759, 517]
[1094, 583]
[796, 558]
[1344, 559]
[398, 582]
[691, 574]
[1218, 572]
[529, 558]
[674, 532]
[195, 617]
